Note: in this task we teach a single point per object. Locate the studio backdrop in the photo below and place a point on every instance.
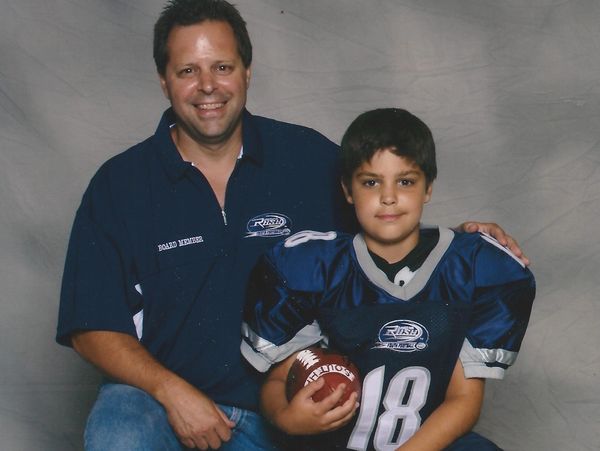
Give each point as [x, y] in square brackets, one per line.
[510, 88]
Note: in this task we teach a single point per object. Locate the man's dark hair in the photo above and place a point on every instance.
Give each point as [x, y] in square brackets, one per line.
[190, 12]
[387, 128]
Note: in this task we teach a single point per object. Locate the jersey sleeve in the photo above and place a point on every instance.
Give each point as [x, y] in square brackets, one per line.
[504, 293]
[284, 292]
[94, 294]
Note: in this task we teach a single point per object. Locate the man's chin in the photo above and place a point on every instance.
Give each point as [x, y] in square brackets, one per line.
[210, 136]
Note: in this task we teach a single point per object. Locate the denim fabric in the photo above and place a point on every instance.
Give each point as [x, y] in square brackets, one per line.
[125, 418]
[251, 431]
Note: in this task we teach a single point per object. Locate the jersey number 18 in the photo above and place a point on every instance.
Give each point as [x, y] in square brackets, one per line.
[405, 396]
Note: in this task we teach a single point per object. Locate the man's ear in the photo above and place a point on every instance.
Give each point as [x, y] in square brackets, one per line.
[163, 85]
[347, 193]
[248, 76]
[428, 192]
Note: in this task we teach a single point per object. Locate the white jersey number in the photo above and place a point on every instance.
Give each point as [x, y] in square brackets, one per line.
[405, 396]
[308, 235]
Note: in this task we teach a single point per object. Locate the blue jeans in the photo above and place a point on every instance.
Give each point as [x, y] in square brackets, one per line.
[125, 418]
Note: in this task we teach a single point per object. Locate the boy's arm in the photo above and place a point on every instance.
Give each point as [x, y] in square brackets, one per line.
[303, 416]
[453, 418]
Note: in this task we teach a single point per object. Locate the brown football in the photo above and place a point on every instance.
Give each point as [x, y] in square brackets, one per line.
[313, 363]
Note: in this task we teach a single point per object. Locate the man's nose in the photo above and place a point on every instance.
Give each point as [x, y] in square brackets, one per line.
[206, 82]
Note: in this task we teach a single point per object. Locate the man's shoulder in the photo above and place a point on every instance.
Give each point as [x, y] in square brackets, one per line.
[269, 123]
[131, 155]
[273, 129]
[124, 165]
[142, 152]
[124, 178]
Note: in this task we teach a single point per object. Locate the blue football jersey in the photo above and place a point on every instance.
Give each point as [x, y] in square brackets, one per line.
[470, 299]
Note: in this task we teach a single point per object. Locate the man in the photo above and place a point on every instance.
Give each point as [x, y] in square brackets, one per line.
[166, 235]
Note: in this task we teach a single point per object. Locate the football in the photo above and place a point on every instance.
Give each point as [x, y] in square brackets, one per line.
[314, 363]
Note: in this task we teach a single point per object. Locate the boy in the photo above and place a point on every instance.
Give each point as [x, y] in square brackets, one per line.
[426, 314]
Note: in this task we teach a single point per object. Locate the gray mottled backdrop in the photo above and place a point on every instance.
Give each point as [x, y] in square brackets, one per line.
[510, 88]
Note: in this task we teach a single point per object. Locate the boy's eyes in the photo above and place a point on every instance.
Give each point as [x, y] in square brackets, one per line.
[369, 183]
[402, 182]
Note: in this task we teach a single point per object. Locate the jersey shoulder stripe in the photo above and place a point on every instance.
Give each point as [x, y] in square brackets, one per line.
[490, 239]
[494, 264]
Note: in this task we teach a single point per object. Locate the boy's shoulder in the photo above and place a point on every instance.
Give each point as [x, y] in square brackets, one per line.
[309, 257]
[491, 262]
[311, 244]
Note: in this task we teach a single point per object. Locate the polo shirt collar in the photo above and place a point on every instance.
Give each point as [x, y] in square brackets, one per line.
[176, 166]
[167, 151]
[251, 141]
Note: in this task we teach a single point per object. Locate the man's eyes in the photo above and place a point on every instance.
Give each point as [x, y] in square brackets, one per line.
[220, 69]
[224, 68]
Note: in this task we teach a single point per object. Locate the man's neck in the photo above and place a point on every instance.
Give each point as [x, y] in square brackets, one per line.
[216, 162]
[206, 154]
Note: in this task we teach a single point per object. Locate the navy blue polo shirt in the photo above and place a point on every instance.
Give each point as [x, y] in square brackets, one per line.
[151, 239]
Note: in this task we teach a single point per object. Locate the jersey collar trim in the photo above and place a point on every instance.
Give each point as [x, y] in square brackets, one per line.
[418, 282]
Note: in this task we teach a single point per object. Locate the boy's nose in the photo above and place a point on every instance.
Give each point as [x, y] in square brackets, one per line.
[388, 197]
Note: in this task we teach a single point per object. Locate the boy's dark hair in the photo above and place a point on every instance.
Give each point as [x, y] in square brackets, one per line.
[387, 128]
[190, 12]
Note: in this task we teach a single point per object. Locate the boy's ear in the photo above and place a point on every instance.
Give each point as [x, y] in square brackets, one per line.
[428, 192]
[347, 193]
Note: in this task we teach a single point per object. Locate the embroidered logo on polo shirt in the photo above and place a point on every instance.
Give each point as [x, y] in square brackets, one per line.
[268, 225]
[403, 335]
[180, 243]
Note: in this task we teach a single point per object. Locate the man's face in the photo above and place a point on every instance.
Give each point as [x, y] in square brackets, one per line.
[206, 81]
[388, 194]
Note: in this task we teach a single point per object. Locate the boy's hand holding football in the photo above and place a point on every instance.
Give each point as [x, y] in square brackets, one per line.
[294, 410]
[302, 415]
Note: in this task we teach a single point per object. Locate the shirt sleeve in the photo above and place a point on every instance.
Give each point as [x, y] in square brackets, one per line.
[96, 293]
[504, 293]
[280, 313]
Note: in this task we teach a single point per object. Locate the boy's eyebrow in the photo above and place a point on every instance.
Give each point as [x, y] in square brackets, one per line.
[401, 174]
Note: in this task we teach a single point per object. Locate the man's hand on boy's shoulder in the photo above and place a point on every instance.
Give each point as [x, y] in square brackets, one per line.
[493, 229]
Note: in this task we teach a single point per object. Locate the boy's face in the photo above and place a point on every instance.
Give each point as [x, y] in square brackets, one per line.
[388, 194]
